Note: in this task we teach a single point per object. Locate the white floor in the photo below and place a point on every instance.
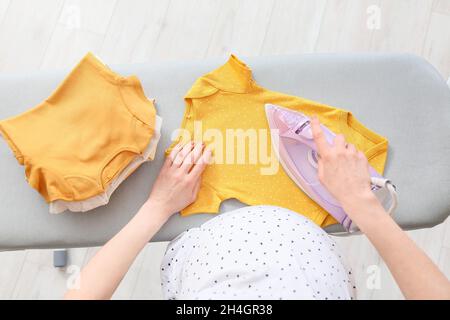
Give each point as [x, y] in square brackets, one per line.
[48, 34]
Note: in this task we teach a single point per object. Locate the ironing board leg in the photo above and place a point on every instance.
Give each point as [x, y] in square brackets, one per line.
[60, 258]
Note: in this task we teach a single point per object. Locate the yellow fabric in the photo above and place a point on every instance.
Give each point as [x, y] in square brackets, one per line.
[228, 98]
[75, 142]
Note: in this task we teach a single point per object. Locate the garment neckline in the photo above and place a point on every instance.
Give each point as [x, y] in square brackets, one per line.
[233, 76]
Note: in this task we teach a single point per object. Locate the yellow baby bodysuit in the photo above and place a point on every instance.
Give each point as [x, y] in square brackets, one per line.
[79, 139]
[227, 103]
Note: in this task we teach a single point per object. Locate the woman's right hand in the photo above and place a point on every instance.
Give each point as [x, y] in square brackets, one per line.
[342, 169]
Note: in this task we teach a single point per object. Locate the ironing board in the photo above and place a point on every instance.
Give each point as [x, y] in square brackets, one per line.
[398, 95]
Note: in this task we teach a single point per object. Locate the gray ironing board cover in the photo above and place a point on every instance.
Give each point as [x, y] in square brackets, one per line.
[400, 96]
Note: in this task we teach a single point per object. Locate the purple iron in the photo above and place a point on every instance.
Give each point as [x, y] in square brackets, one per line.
[294, 146]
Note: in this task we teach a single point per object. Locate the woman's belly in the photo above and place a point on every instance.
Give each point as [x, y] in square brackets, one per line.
[256, 252]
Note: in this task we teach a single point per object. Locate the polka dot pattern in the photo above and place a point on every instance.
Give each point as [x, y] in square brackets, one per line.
[257, 252]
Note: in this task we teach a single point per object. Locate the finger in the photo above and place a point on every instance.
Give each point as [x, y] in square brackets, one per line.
[351, 148]
[174, 152]
[339, 142]
[192, 157]
[197, 187]
[320, 170]
[167, 163]
[201, 164]
[319, 137]
[182, 154]
[361, 155]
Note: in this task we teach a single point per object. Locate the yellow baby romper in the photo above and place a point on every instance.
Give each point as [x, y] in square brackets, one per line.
[79, 139]
[228, 98]
[59, 206]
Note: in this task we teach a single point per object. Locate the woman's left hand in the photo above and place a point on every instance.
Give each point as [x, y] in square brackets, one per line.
[179, 180]
[175, 188]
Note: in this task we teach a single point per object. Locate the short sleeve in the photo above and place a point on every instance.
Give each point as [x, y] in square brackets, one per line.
[373, 145]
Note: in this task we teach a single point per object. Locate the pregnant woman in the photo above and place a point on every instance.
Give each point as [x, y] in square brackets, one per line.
[261, 252]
